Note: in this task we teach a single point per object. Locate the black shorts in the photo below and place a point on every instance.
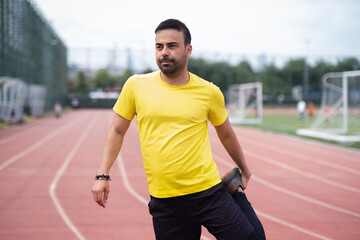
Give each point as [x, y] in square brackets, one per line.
[182, 217]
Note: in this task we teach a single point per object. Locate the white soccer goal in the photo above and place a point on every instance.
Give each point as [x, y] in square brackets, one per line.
[12, 99]
[36, 99]
[245, 103]
[339, 115]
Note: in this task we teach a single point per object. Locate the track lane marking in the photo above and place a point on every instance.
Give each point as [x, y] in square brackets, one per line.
[15, 136]
[327, 149]
[307, 145]
[299, 171]
[271, 218]
[28, 129]
[306, 158]
[303, 173]
[290, 225]
[36, 145]
[60, 172]
[294, 194]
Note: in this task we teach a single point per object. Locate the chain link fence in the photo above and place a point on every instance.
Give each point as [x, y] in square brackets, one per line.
[31, 51]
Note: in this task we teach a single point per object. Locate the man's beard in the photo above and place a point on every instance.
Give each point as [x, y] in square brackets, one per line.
[173, 66]
[168, 68]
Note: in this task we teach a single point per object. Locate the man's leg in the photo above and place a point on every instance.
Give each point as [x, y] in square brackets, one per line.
[242, 201]
[170, 222]
[216, 210]
[233, 183]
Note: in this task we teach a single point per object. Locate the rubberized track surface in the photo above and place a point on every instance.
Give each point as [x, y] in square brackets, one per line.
[300, 189]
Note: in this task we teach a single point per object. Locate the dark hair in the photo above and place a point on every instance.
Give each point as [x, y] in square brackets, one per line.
[175, 24]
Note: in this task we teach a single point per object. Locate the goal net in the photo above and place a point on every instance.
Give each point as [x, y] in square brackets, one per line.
[245, 103]
[339, 115]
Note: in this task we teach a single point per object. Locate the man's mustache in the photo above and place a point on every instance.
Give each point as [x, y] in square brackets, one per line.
[166, 59]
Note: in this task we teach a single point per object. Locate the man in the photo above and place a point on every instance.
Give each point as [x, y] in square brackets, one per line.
[172, 107]
[301, 106]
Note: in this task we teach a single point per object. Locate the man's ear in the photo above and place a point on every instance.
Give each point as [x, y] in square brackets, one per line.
[188, 50]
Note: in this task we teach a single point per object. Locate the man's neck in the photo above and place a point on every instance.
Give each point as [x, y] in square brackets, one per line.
[179, 79]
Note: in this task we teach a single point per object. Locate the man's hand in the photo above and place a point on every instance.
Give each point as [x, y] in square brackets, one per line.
[100, 192]
[245, 177]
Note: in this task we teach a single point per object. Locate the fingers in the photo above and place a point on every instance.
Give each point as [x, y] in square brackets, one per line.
[106, 194]
[100, 193]
[98, 197]
[244, 181]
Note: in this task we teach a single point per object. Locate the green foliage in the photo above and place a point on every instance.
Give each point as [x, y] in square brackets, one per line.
[199, 67]
[80, 83]
[273, 81]
[148, 70]
[316, 73]
[120, 80]
[348, 64]
[243, 73]
[220, 74]
[102, 79]
[294, 72]
[276, 81]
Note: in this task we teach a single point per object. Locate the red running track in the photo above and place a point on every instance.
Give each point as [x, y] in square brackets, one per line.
[300, 189]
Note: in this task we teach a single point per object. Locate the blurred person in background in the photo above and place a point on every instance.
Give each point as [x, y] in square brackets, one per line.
[57, 109]
[301, 106]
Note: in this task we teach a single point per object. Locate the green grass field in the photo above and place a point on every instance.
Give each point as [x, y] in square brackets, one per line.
[289, 123]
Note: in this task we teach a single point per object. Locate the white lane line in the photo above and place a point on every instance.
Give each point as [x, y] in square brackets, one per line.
[303, 157]
[327, 149]
[286, 223]
[294, 194]
[58, 175]
[290, 225]
[35, 145]
[303, 173]
[127, 183]
[13, 137]
[131, 190]
[307, 146]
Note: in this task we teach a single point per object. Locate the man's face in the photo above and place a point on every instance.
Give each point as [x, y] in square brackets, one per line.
[171, 53]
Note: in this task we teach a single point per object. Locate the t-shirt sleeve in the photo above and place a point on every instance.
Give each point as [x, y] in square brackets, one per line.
[217, 111]
[125, 104]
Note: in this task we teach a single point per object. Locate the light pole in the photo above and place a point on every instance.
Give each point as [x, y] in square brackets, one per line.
[306, 70]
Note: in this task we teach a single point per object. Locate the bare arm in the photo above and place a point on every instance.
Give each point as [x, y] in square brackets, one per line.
[114, 140]
[229, 140]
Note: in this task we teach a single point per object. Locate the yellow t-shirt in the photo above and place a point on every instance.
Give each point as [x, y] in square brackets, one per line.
[173, 131]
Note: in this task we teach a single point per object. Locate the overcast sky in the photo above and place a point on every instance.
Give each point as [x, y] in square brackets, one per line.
[278, 27]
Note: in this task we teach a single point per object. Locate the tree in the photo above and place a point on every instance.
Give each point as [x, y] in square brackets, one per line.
[120, 80]
[103, 79]
[294, 72]
[220, 73]
[147, 70]
[273, 82]
[317, 72]
[80, 84]
[199, 67]
[348, 64]
[243, 73]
